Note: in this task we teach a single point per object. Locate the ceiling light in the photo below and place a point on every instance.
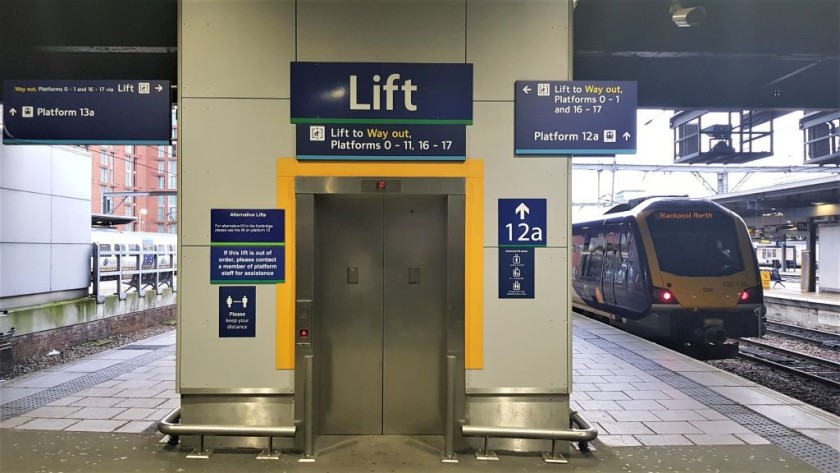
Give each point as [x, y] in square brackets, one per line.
[687, 16]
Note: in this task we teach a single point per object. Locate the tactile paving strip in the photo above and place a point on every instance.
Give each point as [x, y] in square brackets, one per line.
[817, 454]
[29, 403]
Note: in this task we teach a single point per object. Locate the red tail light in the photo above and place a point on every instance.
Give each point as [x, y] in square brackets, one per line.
[751, 295]
[663, 296]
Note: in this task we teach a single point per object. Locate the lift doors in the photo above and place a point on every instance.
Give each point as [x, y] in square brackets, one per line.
[381, 328]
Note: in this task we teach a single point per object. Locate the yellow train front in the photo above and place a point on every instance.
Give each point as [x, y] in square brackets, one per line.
[678, 271]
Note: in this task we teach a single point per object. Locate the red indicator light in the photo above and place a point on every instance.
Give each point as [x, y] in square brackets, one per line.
[745, 296]
[304, 333]
[380, 185]
[666, 296]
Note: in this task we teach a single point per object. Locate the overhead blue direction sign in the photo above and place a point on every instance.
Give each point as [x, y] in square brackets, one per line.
[522, 222]
[87, 112]
[575, 118]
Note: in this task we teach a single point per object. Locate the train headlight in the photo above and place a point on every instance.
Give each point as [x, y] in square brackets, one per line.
[663, 296]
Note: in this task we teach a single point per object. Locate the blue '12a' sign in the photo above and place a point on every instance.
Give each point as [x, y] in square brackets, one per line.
[522, 222]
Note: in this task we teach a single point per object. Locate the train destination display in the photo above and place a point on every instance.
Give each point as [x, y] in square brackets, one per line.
[247, 246]
[575, 118]
[87, 112]
[381, 111]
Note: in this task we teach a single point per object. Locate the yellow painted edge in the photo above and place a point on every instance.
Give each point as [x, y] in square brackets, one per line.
[474, 274]
[285, 349]
[472, 170]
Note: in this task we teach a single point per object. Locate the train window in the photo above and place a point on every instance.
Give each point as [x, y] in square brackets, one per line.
[686, 245]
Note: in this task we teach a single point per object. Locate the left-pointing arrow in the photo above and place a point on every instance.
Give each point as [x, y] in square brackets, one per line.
[12, 112]
[526, 89]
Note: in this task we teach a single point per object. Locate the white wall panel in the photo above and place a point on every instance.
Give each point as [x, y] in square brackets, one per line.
[509, 40]
[236, 48]
[70, 220]
[71, 175]
[235, 169]
[829, 238]
[25, 168]
[70, 267]
[26, 217]
[381, 31]
[24, 269]
[491, 138]
[207, 361]
[526, 339]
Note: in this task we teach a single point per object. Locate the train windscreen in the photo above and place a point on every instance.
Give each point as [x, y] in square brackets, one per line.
[698, 243]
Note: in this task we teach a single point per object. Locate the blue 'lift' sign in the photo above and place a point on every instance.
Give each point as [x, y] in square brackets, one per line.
[575, 118]
[522, 222]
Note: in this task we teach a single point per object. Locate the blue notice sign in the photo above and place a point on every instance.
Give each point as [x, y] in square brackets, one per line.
[382, 142]
[87, 112]
[516, 273]
[237, 311]
[395, 93]
[247, 246]
[248, 225]
[575, 117]
[522, 222]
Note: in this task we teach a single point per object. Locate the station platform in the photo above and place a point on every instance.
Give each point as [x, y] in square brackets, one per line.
[655, 410]
[817, 310]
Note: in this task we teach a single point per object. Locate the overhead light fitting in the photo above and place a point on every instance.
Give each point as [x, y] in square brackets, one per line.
[687, 16]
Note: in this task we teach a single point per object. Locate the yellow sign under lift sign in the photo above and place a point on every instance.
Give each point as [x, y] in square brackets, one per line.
[765, 279]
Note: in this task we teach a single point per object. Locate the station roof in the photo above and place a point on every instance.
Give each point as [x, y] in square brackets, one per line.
[824, 190]
[774, 54]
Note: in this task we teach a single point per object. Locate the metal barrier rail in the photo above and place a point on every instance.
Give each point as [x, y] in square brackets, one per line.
[583, 436]
[130, 263]
[171, 426]
[586, 434]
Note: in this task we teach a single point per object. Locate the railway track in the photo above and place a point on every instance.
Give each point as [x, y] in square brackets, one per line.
[824, 371]
[820, 338]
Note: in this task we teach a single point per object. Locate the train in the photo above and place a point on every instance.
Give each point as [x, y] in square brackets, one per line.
[678, 271]
[770, 254]
[131, 247]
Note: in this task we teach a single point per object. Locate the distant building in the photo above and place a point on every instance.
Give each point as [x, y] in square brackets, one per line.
[130, 168]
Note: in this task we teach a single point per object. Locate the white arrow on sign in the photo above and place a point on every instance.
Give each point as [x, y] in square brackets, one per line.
[159, 88]
[522, 210]
[626, 136]
[526, 89]
[12, 112]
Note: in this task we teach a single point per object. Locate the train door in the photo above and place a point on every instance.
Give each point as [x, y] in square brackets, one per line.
[611, 264]
[379, 328]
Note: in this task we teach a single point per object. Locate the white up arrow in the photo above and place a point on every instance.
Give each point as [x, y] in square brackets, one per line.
[522, 210]
[12, 112]
[626, 135]
[526, 89]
